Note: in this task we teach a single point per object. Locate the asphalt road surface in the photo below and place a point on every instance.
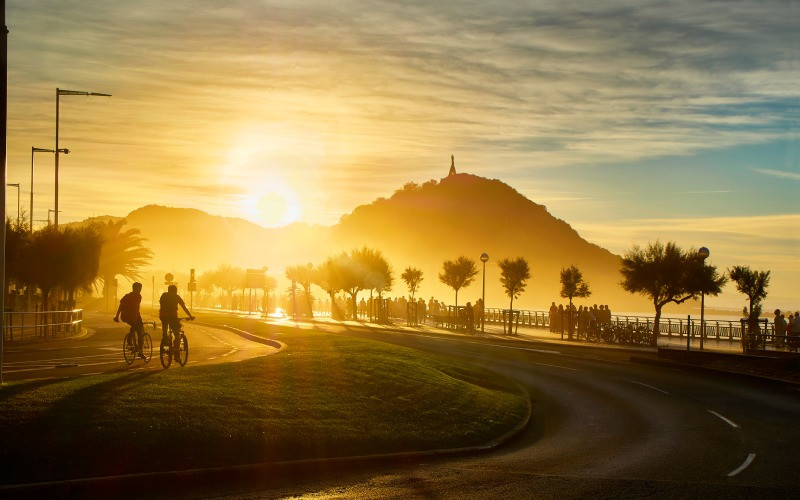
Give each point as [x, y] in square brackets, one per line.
[100, 351]
[603, 427]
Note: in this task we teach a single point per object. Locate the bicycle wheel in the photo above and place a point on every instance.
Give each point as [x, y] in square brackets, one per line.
[183, 352]
[165, 352]
[147, 347]
[129, 348]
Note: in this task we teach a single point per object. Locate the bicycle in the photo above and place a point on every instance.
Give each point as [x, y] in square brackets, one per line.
[130, 350]
[168, 346]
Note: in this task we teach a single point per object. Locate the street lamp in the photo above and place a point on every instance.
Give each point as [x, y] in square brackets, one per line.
[703, 254]
[40, 150]
[484, 258]
[59, 93]
[49, 211]
[16, 185]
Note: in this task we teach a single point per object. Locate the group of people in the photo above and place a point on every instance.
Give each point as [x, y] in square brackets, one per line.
[169, 301]
[582, 318]
[787, 331]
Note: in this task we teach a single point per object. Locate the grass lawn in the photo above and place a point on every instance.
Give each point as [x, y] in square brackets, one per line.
[323, 396]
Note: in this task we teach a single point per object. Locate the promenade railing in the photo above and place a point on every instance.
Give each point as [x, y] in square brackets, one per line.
[668, 327]
[41, 324]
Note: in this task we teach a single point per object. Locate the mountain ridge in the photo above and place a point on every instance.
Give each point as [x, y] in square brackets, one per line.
[419, 225]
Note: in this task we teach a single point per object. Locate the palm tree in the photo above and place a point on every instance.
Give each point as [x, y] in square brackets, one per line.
[123, 253]
[513, 274]
[458, 273]
[573, 285]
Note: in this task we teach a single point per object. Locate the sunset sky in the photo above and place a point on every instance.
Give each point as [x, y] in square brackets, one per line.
[630, 120]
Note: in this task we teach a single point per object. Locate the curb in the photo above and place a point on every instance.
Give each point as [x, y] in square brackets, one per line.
[707, 369]
[246, 335]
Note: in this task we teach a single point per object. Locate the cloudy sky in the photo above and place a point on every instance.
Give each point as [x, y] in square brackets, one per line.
[631, 120]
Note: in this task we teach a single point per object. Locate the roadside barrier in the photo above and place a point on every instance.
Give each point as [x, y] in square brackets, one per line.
[41, 324]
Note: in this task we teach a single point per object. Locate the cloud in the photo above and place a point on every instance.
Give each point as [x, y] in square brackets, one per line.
[781, 174]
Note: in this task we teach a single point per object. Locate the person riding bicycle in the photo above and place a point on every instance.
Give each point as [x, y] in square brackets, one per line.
[168, 314]
[128, 310]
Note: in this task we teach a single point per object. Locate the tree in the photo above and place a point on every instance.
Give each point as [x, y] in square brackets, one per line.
[573, 285]
[513, 274]
[328, 277]
[66, 258]
[229, 278]
[304, 276]
[753, 284]
[372, 271]
[82, 259]
[413, 277]
[458, 274]
[665, 274]
[122, 253]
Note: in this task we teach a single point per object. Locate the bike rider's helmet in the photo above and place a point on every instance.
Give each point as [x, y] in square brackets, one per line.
[172, 289]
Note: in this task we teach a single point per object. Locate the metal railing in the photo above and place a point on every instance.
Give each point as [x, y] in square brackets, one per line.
[41, 324]
[713, 329]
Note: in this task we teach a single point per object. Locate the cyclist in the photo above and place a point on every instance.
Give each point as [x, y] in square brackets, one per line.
[128, 310]
[168, 314]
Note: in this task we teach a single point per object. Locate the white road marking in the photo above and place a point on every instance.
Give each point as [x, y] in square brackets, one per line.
[650, 387]
[746, 464]
[726, 420]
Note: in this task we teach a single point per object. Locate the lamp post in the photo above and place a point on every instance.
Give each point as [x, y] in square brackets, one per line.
[49, 211]
[484, 258]
[59, 93]
[703, 253]
[40, 150]
[16, 185]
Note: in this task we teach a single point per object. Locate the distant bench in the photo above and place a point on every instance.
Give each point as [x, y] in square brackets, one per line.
[449, 322]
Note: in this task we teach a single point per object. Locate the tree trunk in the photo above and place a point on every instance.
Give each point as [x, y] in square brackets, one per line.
[656, 326]
[569, 315]
[511, 315]
[355, 305]
[308, 301]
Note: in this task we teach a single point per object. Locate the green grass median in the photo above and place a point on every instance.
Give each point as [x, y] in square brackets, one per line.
[323, 396]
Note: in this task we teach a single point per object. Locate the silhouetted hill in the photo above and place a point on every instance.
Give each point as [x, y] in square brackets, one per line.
[420, 225]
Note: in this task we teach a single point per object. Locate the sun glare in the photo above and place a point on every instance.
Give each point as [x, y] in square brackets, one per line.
[268, 169]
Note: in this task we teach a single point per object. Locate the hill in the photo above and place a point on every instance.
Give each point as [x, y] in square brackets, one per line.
[420, 225]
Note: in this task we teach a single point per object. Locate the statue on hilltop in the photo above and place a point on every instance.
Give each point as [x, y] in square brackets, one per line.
[452, 166]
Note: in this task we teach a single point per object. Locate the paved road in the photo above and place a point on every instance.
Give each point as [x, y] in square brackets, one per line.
[602, 427]
[100, 351]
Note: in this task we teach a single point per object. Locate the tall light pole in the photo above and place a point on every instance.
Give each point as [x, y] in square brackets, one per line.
[40, 150]
[484, 258]
[59, 93]
[703, 253]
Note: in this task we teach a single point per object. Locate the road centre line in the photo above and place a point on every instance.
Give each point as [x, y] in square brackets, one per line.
[726, 420]
[650, 387]
[746, 464]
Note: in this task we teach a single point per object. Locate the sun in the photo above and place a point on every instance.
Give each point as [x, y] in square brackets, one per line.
[278, 208]
[269, 172]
